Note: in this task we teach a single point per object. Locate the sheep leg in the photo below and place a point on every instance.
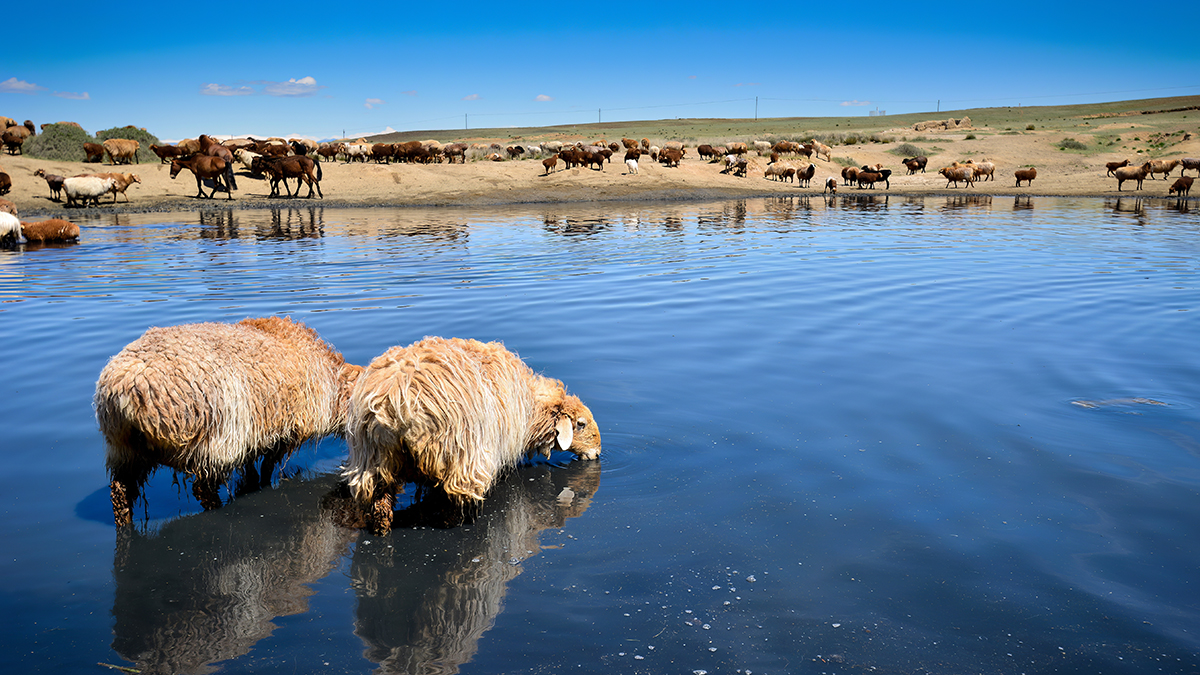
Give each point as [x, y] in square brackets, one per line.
[382, 511]
[123, 494]
[207, 492]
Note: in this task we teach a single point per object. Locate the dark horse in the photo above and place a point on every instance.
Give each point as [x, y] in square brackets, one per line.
[204, 166]
[299, 167]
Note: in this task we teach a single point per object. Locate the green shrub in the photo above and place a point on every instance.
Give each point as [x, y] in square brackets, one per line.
[969, 137]
[144, 138]
[907, 150]
[1071, 144]
[1030, 128]
[850, 140]
[59, 142]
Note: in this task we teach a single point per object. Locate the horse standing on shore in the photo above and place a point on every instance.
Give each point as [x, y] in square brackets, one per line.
[299, 167]
[204, 166]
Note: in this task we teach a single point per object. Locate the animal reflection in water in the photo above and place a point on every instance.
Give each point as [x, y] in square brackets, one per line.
[424, 602]
[206, 588]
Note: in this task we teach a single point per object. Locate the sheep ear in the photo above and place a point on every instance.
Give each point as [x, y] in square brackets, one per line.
[565, 432]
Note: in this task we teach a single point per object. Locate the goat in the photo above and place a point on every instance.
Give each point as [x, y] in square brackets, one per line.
[1111, 166]
[54, 182]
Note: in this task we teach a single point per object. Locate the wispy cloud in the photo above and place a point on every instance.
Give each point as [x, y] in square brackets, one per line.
[293, 88]
[691, 77]
[305, 86]
[213, 89]
[410, 92]
[73, 96]
[746, 84]
[14, 86]
[471, 97]
[372, 102]
[543, 97]
[855, 102]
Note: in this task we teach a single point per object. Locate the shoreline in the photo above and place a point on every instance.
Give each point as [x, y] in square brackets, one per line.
[485, 184]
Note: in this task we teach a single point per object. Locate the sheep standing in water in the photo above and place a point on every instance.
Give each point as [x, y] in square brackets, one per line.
[455, 413]
[208, 399]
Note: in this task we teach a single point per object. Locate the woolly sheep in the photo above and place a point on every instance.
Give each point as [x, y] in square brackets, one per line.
[1163, 166]
[1190, 163]
[632, 164]
[84, 189]
[10, 228]
[8, 207]
[985, 168]
[455, 413]
[53, 230]
[830, 185]
[820, 148]
[1182, 185]
[120, 150]
[1026, 175]
[208, 399]
[958, 173]
[779, 171]
[1134, 173]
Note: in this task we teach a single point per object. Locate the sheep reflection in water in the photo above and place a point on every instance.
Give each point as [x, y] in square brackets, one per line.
[426, 595]
[205, 588]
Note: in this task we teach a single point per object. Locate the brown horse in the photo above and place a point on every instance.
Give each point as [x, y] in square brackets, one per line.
[209, 146]
[203, 167]
[299, 167]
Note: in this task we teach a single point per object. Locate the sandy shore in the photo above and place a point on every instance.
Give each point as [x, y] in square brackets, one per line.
[484, 183]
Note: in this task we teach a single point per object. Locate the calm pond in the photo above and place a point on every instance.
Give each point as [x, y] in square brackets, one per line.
[857, 435]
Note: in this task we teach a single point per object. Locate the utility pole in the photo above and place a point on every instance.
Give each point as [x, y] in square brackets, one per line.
[939, 105]
[598, 111]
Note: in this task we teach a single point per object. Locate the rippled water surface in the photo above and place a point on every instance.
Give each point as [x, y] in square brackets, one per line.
[938, 435]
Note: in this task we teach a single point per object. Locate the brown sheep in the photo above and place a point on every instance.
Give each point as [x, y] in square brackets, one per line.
[7, 206]
[94, 153]
[629, 143]
[5, 183]
[1190, 163]
[54, 182]
[737, 148]
[1111, 166]
[13, 140]
[1163, 166]
[1182, 185]
[1026, 175]
[957, 174]
[830, 185]
[1134, 173]
[53, 230]
[670, 156]
[454, 413]
[914, 163]
[707, 152]
[849, 175]
[209, 399]
[120, 150]
[804, 176]
[550, 163]
[165, 152]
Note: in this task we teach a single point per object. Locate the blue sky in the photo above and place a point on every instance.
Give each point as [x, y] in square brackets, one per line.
[321, 69]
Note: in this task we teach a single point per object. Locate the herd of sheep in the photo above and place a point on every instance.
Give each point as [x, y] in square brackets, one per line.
[210, 399]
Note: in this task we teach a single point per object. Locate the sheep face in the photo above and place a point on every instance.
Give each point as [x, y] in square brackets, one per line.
[576, 429]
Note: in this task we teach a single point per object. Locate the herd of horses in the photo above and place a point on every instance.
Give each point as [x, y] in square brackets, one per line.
[214, 165]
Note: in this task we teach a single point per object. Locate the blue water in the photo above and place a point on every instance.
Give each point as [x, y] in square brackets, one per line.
[938, 435]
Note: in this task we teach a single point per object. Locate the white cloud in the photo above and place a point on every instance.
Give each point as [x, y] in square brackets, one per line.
[855, 102]
[746, 84]
[472, 97]
[73, 96]
[213, 89]
[410, 92]
[372, 102]
[14, 86]
[543, 97]
[305, 86]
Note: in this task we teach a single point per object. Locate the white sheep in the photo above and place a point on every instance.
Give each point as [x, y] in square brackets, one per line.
[84, 189]
[632, 164]
[10, 228]
[208, 399]
[455, 413]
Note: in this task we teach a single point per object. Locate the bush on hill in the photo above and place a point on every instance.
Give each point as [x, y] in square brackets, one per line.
[60, 142]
